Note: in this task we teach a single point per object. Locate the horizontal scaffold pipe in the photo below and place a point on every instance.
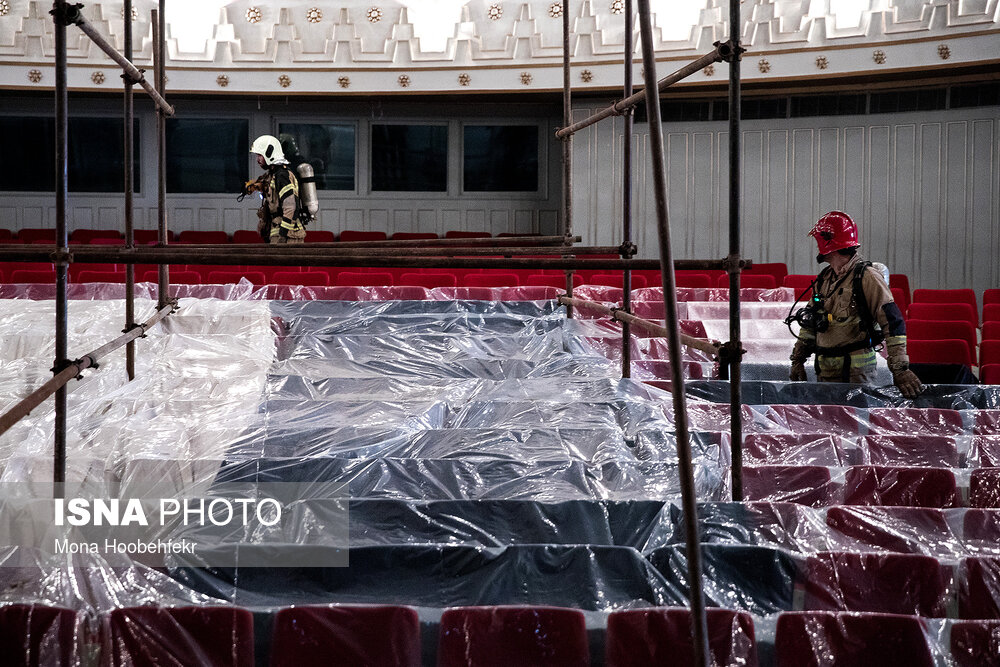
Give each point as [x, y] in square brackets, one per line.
[287, 256]
[131, 71]
[89, 360]
[705, 345]
[720, 53]
[490, 242]
[449, 251]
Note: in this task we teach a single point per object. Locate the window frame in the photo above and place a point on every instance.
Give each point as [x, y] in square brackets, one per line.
[541, 191]
[327, 120]
[252, 168]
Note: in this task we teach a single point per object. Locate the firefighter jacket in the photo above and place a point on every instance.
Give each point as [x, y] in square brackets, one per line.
[847, 327]
[280, 205]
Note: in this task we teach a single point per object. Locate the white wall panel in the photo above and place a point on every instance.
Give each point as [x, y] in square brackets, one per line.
[924, 187]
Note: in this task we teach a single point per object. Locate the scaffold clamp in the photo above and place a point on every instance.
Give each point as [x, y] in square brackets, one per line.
[729, 51]
[66, 14]
[628, 250]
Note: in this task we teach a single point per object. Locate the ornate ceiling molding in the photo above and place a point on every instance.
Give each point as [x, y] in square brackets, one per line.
[313, 46]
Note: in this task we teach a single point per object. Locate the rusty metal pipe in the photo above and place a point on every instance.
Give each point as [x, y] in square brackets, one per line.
[720, 53]
[59, 380]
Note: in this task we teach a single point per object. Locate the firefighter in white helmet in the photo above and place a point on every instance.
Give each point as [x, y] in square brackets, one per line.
[281, 206]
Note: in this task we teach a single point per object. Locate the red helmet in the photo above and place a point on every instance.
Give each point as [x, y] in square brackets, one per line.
[835, 231]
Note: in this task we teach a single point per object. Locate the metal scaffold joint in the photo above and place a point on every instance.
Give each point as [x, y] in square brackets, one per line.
[66, 14]
[734, 264]
[729, 51]
[628, 250]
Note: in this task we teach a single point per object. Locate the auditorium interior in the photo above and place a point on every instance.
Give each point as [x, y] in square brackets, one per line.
[522, 395]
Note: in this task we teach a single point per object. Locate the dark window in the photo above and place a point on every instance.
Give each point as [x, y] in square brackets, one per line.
[828, 105]
[676, 111]
[908, 100]
[410, 158]
[753, 109]
[500, 158]
[207, 155]
[95, 157]
[330, 149]
[987, 94]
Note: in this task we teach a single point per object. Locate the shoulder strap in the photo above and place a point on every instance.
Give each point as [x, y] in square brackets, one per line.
[875, 336]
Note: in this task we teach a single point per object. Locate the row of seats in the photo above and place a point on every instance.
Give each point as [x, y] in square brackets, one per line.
[486, 636]
[824, 486]
[143, 236]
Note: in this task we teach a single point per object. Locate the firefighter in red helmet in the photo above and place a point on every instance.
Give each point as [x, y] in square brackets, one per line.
[852, 313]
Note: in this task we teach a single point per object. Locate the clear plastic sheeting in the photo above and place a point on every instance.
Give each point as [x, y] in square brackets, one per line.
[487, 452]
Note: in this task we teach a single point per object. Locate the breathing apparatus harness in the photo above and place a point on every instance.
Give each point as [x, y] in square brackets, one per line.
[813, 315]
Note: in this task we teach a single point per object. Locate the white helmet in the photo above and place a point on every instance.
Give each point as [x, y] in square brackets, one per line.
[270, 148]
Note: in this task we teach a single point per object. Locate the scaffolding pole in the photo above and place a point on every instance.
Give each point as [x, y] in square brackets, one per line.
[699, 626]
[159, 54]
[129, 137]
[628, 116]
[733, 354]
[73, 369]
[567, 148]
[59, 13]
[616, 109]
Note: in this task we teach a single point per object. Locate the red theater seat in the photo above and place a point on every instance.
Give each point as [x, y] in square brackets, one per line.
[320, 236]
[192, 236]
[777, 269]
[979, 587]
[987, 422]
[202, 635]
[615, 280]
[991, 313]
[897, 529]
[176, 277]
[912, 487]
[659, 636]
[991, 295]
[557, 281]
[798, 281]
[247, 236]
[943, 311]
[457, 234]
[827, 639]
[360, 279]
[690, 279]
[989, 352]
[943, 330]
[820, 449]
[967, 296]
[877, 582]
[32, 276]
[934, 451]
[991, 330]
[989, 374]
[36, 635]
[428, 280]
[504, 636]
[75, 269]
[413, 236]
[491, 280]
[805, 485]
[6, 234]
[36, 235]
[913, 421]
[950, 351]
[358, 235]
[303, 278]
[101, 277]
[227, 277]
[319, 636]
[88, 235]
[805, 418]
[901, 281]
[975, 643]
[984, 487]
[750, 281]
[152, 236]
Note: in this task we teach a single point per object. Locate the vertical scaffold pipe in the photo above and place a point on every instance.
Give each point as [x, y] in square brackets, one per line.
[699, 628]
[129, 138]
[163, 274]
[59, 11]
[628, 116]
[735, 344]
[567, 151]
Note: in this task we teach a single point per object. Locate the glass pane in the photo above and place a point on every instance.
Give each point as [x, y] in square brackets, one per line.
[95, 155]
[328, 148]
[206, 155]
[501, 158]
[410, 158]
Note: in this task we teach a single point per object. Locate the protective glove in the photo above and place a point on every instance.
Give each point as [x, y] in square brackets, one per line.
[797, 372]
[908, 383]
